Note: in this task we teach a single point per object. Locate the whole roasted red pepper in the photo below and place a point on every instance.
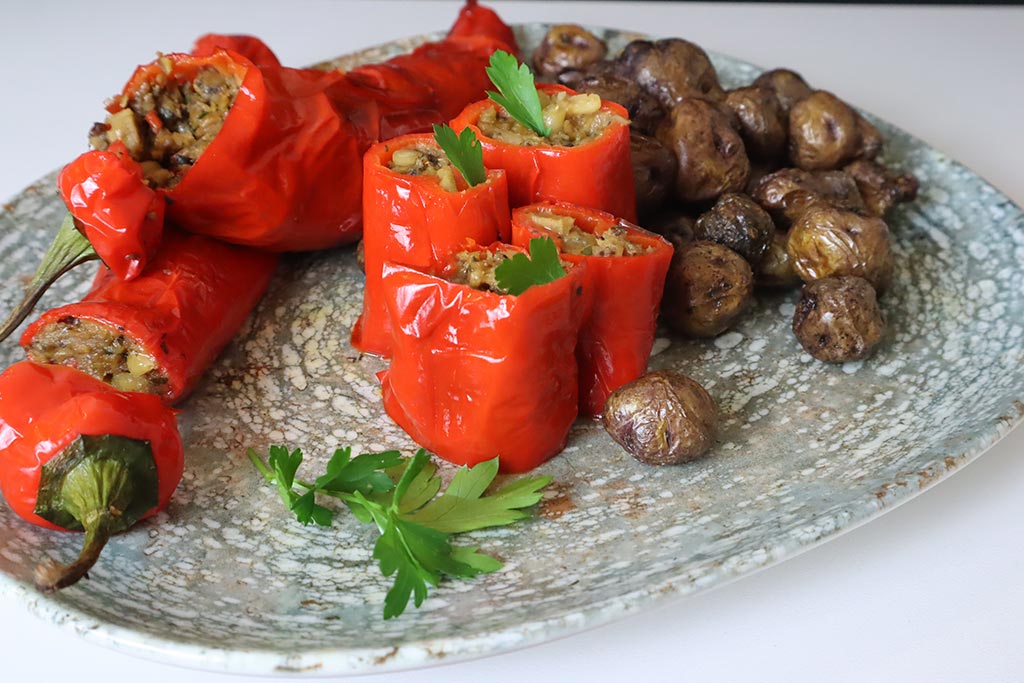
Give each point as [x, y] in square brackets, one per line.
[250, 47]
[476, 374]
[476, 20]
[596, 174]
[618, 334]
[77, 455]
[178, 315]
[412, 220]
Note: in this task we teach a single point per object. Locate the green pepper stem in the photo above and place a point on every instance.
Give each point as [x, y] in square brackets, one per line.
[51, 576]
[68, 250]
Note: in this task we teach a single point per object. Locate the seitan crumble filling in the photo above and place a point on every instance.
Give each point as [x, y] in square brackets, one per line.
[614, 241]
[425, 160]
[574, 120]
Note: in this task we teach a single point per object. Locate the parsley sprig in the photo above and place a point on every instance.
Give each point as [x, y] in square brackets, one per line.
[464, 151]
[400, 496]
[519, 273]
[516, 92]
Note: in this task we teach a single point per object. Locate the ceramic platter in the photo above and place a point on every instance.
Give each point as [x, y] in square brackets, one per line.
[225, 579]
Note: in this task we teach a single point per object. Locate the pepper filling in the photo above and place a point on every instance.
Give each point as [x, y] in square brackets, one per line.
[167, 124]
[425, 160]
[476, 269]
[614, 241]
[100, 351]
[574, 120]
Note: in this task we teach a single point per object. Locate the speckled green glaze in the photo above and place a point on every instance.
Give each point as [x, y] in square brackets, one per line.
[226, 580]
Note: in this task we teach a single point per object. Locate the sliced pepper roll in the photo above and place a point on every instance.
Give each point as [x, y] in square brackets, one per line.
[626, 268]
[159, 332]
[585, 161]
[76, 454]
[417, 209]
[477, 374]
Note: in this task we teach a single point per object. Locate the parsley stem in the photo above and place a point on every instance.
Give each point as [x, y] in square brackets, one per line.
[267, 473]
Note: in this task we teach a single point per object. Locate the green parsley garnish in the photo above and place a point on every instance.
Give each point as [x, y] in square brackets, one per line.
[519, 273]
[516, 92]
[400, 496]
[464, 151]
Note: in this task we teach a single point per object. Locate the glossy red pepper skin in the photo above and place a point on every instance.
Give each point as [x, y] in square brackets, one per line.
[476, 20]
[43, 408]
[183, 310]
[618, 334]
[413, 221]
[250, 47]
[598, 174]
[118, 213]
[476, 374]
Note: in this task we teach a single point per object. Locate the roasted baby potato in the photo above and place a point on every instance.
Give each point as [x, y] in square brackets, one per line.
[881, 188]
[829, 242]
[654, 173]
[838, 319]
[671, 70]
[761, 120]
[775, 271]
[789, 86]
[788, 192]
[824, 132]
[737, 222]
[662, 418]
[707, 288]
[565, 47]
[675, 226]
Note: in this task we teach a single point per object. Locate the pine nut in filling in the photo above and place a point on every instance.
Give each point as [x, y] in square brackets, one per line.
[574, 120]
[425, 160]
[614, 241]
[98, 350]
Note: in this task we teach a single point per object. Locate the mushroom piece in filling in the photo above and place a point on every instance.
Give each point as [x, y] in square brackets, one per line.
[423, 160]
[98, 350]
[613, 241]
[574, 120]
[167, 124]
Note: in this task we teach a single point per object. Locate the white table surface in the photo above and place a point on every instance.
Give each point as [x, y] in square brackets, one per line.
[932, 591]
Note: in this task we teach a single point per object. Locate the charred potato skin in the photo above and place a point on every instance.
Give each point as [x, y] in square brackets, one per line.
[654, 173]
[788, 192]
[838, 319]
[565, 47]
[662, 418]
[711, 156]
[645, 113]
[737, 222]
[824, 132]
[775, 271]
[671, 70]
[789, 87]
[829, 242]
[881, 189]
[708, 287]
[761, 120]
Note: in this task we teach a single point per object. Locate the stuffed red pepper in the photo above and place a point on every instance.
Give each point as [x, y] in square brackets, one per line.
[585, 160]
[417, 209]
[76, 454]
[626, 268]
[159, 332]
[476, 373]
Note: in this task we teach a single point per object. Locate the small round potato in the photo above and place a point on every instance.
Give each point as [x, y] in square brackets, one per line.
[789, 86]
[762, 122]
[662, 418]
[737, 222]
[838, 319]
[775, 271]
[708, 287]
[787, 193]
[870, 139]
[674, 226]
[881, 188]
[672, 70]
[567, 46]
[828, 242]
[654, 173]
[824, 132]
[645, 113]
[712, 158]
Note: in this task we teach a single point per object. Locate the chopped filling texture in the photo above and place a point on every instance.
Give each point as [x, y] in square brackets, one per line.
[98, 350]
[167, 124]
[614, 241]
[476, 269]
[574, 120]
[425, 160]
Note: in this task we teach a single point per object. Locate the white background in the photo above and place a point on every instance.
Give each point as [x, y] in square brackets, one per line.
[931, 591]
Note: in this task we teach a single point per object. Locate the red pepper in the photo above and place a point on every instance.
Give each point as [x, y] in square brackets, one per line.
[119, 214]
[597, 174]
[412, 220]
[476, 374]
[75, 454]
[182, 311]
[617, 336]
[250, 47]
[475, 20]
